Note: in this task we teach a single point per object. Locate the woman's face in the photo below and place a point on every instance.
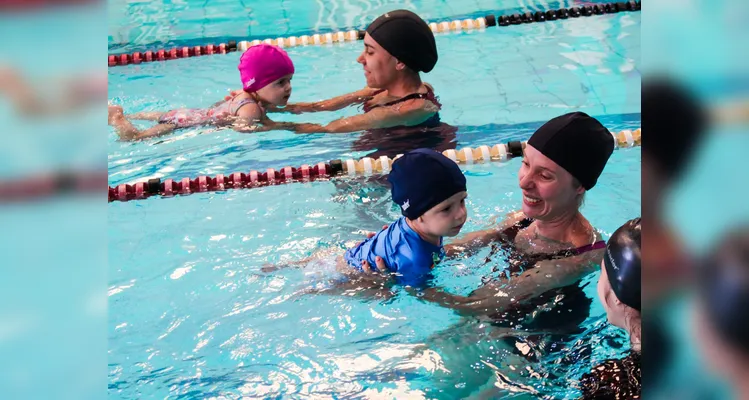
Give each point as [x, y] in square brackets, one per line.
[379, 66]
[548, 189]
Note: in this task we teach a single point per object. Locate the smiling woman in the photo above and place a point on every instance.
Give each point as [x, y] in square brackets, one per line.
[551, 246]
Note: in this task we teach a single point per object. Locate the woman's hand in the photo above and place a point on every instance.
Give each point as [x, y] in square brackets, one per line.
[382, 269]
[371, 234]
[288, 108]
[233, 94]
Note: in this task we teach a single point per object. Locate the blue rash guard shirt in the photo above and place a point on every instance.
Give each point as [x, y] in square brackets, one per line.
[403, 251]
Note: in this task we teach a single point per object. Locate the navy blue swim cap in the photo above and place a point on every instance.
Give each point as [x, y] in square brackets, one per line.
[623, 263]
[423, 178]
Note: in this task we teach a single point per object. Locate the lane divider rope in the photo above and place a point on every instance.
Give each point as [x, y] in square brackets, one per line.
[353, 35]
[46, 185]
[306, 173]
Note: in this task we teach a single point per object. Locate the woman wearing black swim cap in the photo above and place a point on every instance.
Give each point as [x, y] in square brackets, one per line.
[536, 302]
[722, 317]
[551, 246]
[619, 292]
[397, 47]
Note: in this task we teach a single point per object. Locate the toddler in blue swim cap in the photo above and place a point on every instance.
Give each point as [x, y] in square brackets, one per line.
[430, 190]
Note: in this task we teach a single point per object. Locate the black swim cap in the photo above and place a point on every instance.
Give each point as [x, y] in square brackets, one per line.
[406, 37]
[578, 143]
[675, 122]
[622, 262]
[725, 288]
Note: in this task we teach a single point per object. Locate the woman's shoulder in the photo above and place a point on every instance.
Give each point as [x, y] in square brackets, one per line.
[512, 218]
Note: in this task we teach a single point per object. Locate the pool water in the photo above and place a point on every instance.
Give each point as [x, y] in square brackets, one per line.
[134, 24]
[192, 315]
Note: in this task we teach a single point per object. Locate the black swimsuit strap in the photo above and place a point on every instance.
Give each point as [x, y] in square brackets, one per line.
[525, 260]
[512, 232]
[429, 95]
[402, 99]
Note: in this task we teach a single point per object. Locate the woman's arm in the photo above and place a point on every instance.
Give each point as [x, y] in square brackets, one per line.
[384, 117]
[504, 293]
[334, 104]
[474, 241]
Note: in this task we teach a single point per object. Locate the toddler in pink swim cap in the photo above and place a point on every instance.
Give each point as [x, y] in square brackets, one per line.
[266, 73]
[264, 65]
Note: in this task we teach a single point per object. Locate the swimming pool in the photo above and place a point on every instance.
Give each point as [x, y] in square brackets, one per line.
[190, 313]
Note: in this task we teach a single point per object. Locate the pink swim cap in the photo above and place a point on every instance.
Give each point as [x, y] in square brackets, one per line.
[263, 64]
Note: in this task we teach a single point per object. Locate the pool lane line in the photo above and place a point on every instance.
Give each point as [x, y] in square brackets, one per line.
[354, 35]
[323, 170]
[50, 184]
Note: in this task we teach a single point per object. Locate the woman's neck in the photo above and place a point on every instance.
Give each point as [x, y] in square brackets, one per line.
[404, 86]
[634, 327]
[562, 228]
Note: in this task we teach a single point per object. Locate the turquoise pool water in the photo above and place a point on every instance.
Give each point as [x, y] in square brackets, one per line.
[190, 313]
[134, 23]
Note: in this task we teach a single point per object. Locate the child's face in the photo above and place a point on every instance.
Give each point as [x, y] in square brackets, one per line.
[446, 218]
[277, 92]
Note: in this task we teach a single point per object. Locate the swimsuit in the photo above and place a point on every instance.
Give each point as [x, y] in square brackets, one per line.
[403, 250]
[188, 117]
[614, 379]
[432, 133]
[432, 122]
[576, 303]
[519, 260]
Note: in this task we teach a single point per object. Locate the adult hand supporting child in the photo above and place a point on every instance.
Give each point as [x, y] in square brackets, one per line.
[378, 260]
